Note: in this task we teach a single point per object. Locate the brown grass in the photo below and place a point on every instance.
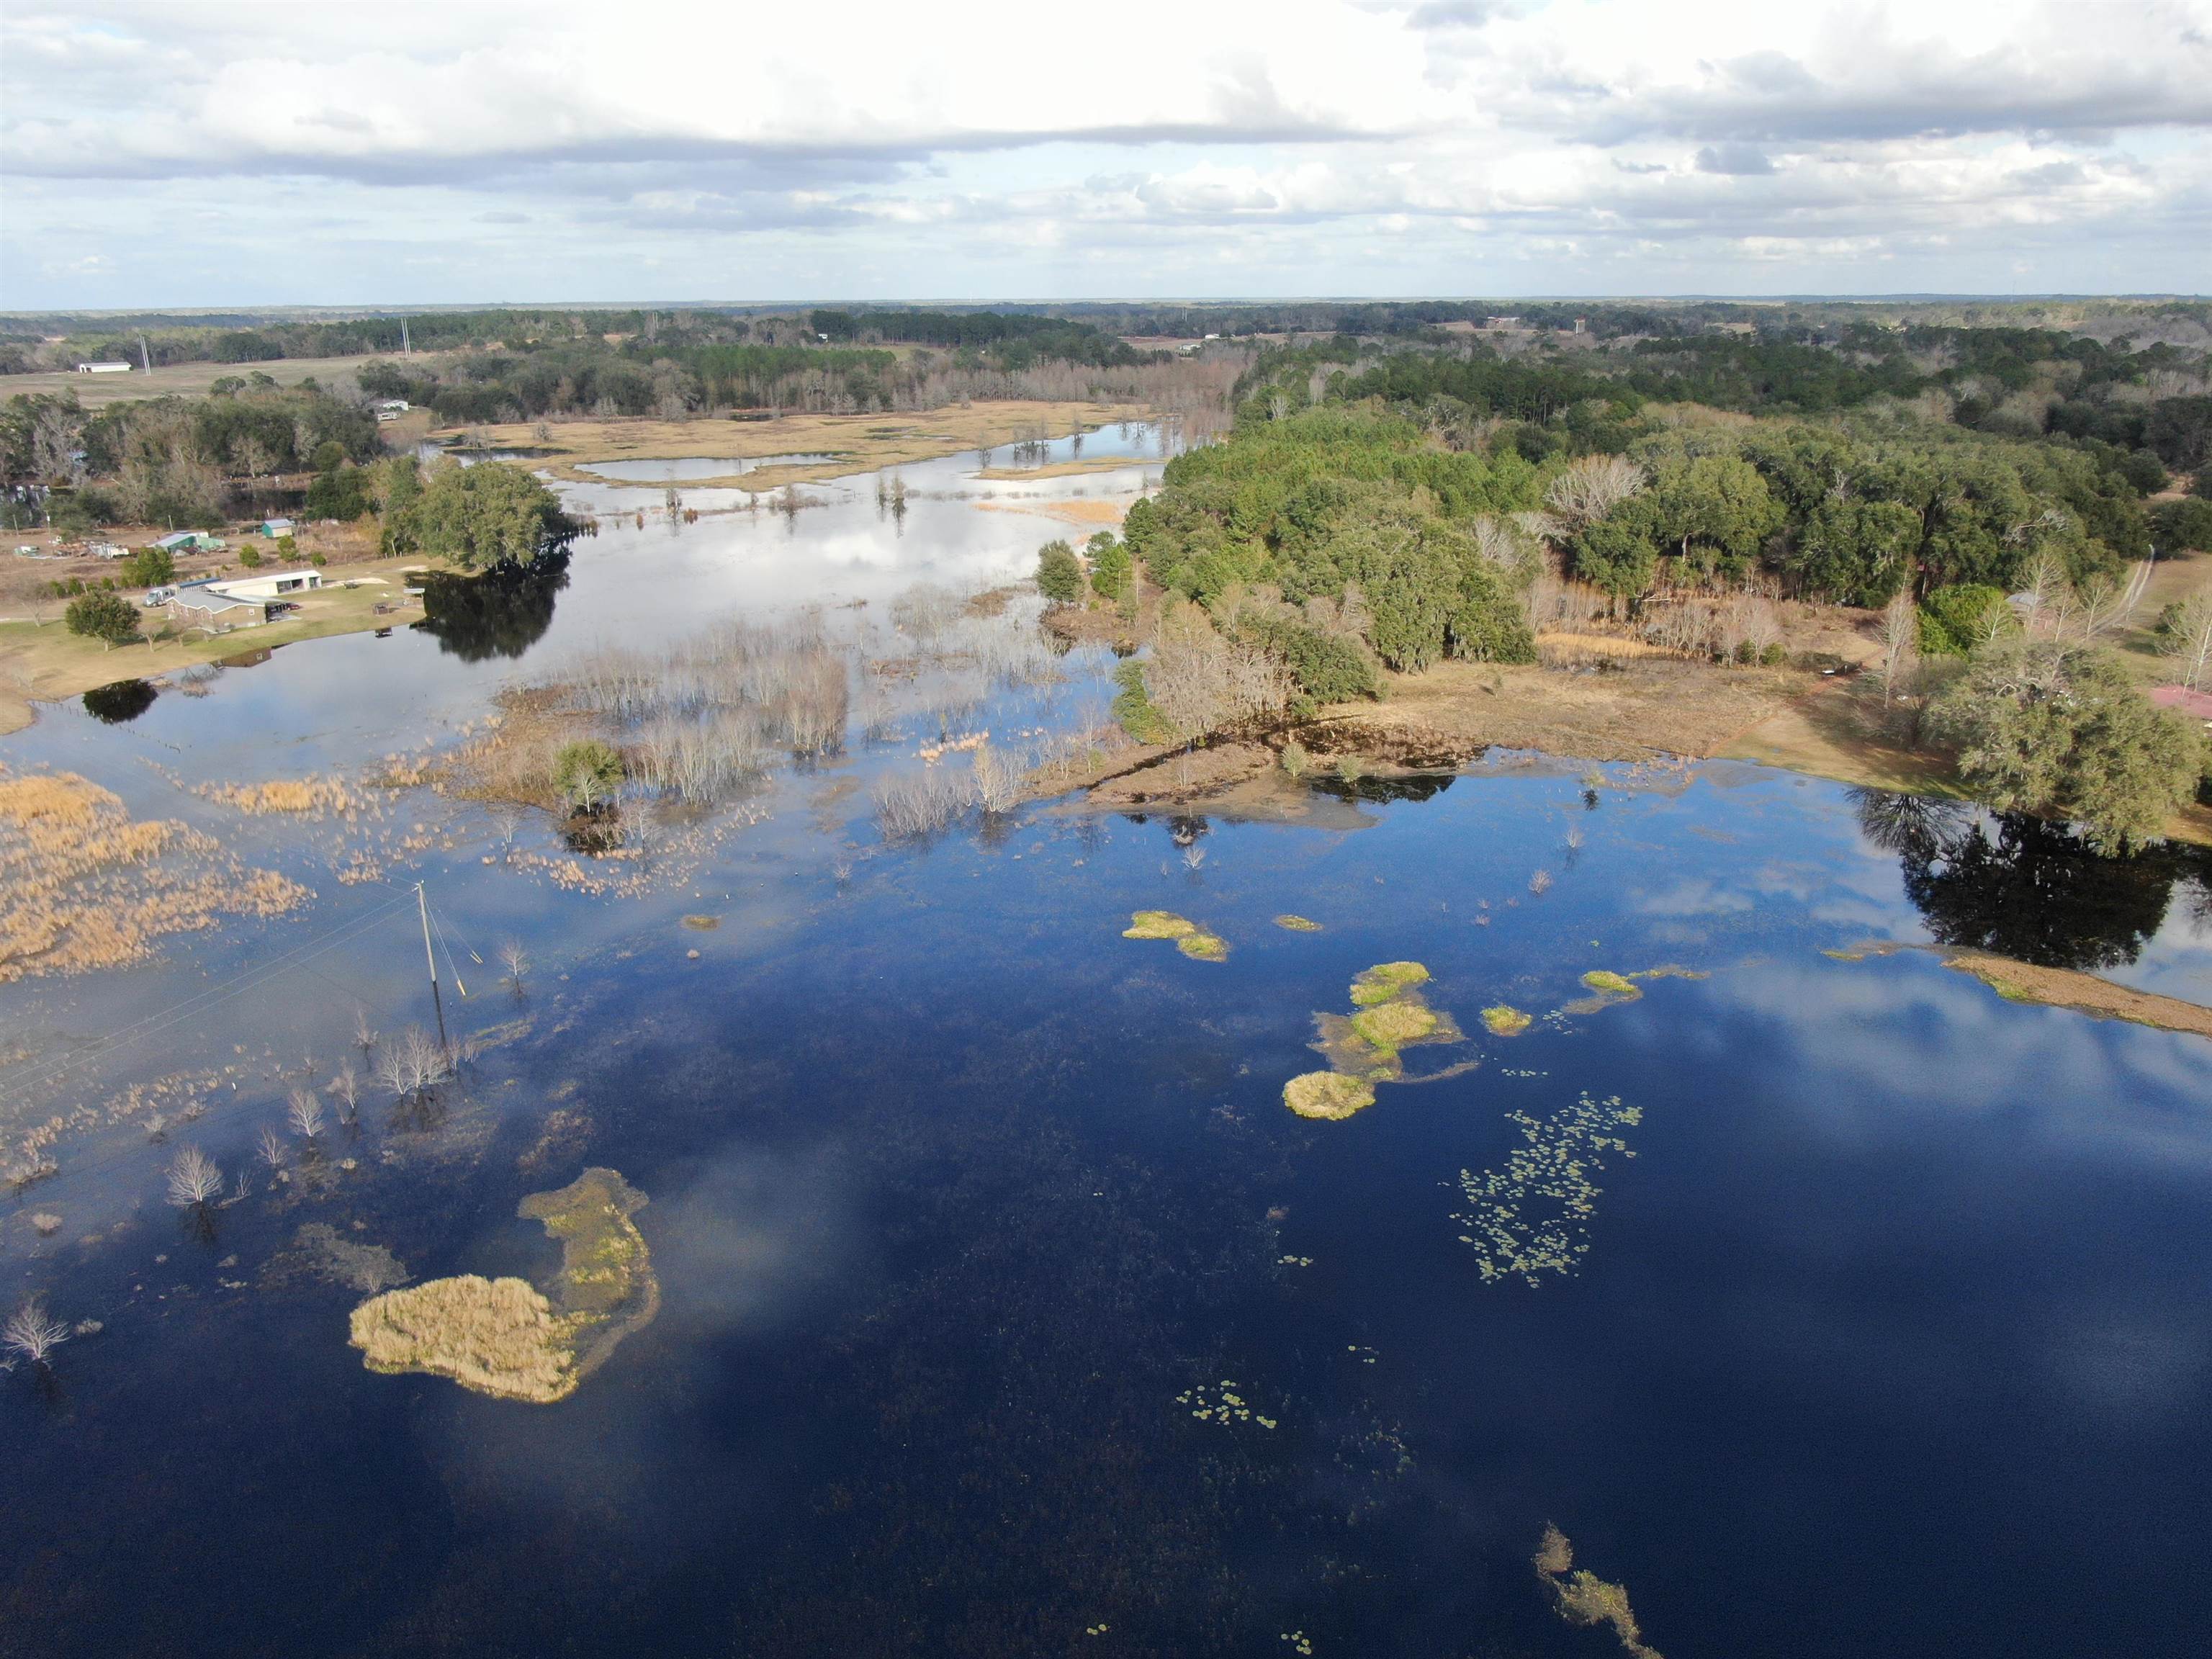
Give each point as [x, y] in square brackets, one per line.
[83, 885]
[506, 1338]
[494, 1336]
[1651, 706]
[861, 443]
[1083, 514]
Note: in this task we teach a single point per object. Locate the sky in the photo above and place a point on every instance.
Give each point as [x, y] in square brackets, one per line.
[191, 156]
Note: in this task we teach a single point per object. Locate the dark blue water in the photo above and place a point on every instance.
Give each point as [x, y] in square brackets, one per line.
[1892, 1335]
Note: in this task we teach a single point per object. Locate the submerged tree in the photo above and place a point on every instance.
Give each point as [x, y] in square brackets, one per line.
[194, 1179]
[32, 1333]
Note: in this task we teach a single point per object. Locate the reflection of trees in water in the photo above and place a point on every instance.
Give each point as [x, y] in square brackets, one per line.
[124, 700]
[2024, 888]
[502, 613]
[1419, 785]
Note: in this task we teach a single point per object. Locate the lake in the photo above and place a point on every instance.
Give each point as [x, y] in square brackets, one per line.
[1825, 1301]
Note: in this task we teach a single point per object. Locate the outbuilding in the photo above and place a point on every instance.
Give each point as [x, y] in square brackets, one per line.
[190, 541]
[274, 528]
[103, 369]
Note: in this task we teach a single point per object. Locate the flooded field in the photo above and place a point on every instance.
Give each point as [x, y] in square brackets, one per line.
[826, 1207]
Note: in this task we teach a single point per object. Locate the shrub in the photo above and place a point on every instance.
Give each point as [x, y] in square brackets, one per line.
[1328, 667]
[587, 773]
[1132, 706]
[149, 566]
[1488, 622]
[1954, 621]
[341, 493]
[102, 617]
[2185, 524]
[249, 556]
[1059, 573]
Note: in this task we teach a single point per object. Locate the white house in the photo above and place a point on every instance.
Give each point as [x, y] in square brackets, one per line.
[103, 369]
[270, 584]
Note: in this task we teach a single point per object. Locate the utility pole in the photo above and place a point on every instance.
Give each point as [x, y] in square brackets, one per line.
[406, 347]
[145, 357]
[422, 905]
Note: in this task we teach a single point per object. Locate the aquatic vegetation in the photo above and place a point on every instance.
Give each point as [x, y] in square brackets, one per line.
[1392, 1025]
[1220, 1403]
[1158, 924]
[1583, 1598]
[1331, 1096]
[1530, 1216]
[1363, 1048]
[505, 1337]
[1297, 924]
[1189, 937]
[318, 796]
[1385, 981]
[45, 1223]
[321, 1251]
[1612, 984]
[563, 1135]
[1503, 1020]
[83, 885]
[702, 924]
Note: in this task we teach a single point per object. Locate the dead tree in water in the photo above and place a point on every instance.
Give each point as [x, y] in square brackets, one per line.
[32, 1333]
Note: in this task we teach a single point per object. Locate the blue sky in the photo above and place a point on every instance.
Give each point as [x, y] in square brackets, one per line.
[186, 154]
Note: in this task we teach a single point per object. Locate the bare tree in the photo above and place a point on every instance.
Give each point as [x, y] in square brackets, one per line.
[413, 1065]
[1900, 646]
[1202, 683]
[364, 1035]
[193, 1179]
[2187, 639]
[305, 1114]
[346, 1085]
[516, 961]
[998, 780]
[1591, 487]
[272, 1148]
[31, 1332]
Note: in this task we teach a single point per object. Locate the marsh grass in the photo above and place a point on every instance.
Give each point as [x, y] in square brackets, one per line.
[1581, 1597]
[83, 885]
[505, 1337]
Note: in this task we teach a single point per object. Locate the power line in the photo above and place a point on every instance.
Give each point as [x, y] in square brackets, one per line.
[200, 1002]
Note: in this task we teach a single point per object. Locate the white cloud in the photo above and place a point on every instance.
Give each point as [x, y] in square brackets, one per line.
[1299, 146]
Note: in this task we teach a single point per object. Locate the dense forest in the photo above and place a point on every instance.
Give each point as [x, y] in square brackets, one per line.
[1383, 507]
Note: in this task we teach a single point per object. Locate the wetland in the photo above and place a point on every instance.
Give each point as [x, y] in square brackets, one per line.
[1015, 1277]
